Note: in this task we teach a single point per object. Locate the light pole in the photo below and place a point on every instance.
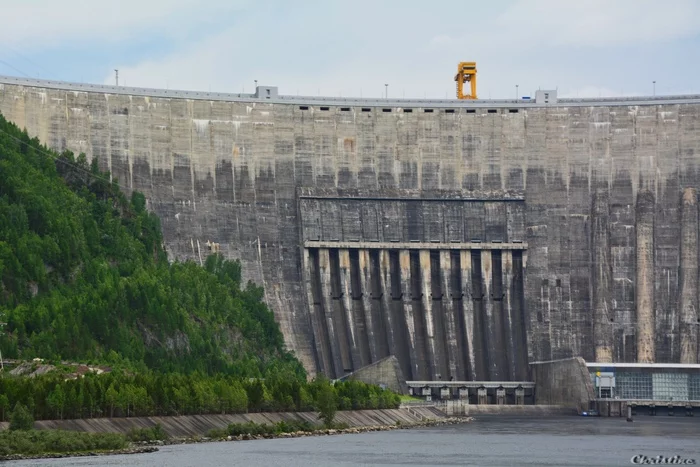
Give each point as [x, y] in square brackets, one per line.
[516, 92]
[116, 76]
[256, 84]
[654, 83]
[386, 88]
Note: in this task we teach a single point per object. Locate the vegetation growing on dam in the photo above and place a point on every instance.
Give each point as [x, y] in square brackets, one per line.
[54, 441]
[84, 276]
[21, 438]
[120, 394]
[255, 429]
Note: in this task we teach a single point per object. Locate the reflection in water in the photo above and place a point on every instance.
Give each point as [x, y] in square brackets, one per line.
[488, 441]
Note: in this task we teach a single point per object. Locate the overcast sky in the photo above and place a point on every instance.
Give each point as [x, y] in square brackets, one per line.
[353, 47]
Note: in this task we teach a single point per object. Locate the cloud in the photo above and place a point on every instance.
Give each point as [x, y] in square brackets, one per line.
[599, 23]
[353, 49]
[441, 40]
[34, 24]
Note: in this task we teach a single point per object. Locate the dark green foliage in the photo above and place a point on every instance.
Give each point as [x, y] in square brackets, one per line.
[55, 441]
[4, 405]
[21, 418]
[154, 433]
[124, 394]
[251, 428]
[357, 395]
[285, 426]
[326, 402]
[84, 276]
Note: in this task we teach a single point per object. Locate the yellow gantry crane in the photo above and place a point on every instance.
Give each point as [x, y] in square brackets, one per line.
[466, 73]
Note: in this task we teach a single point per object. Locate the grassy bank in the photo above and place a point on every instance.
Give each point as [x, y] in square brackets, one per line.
[41, 442]
[403, 398]
[250, 430]
[255, 429]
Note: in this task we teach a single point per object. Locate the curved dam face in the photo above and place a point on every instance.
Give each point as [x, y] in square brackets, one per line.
[466, 238]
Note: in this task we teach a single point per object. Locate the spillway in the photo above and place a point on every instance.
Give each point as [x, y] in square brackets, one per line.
[467, 238]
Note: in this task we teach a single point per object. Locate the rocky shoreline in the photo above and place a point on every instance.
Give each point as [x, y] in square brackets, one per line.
[152, 446]
[59, 455]
[321, 432]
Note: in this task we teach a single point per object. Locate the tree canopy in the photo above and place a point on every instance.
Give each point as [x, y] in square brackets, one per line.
[84, 276]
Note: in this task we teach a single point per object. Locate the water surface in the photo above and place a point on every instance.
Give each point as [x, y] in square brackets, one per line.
[488, 441]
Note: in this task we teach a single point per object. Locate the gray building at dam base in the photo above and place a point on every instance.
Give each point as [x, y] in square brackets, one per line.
[466, 238]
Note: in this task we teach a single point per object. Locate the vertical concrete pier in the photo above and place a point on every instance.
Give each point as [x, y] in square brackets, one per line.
[409, 304]
[689, 277]
[351, 317]
[453, 329]
[482, 396]
[438, 297]
[466, 280]
[492, 319]
[334, 341]
[397, 325]
[510, 317]
[383, 298]
[500, 318]
[519, 323]
[480, 329]
[434, 359]
[363, 331]
[601, 279]
[340, 303]
[645, 277]
[376, 334]
[317, 313]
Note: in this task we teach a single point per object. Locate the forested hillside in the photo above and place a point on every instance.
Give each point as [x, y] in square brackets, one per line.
[84, 276]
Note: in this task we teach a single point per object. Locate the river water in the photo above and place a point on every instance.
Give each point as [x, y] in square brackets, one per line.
[488, 441]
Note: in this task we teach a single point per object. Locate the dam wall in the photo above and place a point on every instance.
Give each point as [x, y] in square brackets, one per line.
[466, 238]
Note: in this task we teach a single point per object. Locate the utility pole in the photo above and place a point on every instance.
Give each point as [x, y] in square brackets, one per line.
[116, 76]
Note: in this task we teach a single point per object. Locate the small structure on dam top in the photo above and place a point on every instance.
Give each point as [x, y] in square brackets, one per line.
[466, 238]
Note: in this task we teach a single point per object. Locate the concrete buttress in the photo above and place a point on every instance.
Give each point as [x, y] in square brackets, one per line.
[689, 277]
[645, 277]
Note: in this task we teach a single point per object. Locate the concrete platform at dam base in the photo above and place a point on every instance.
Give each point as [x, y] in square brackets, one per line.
[466, 238]
[558, 387]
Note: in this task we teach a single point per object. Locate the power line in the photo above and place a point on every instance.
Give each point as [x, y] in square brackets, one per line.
[27, 59]
[74, 165]
[16, 69]
[55, 157]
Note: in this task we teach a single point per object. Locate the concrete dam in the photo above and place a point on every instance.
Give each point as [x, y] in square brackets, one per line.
[467, 238]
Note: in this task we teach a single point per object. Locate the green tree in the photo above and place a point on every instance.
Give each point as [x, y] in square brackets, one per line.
[112, 399]
[84, 275]
[326, 403]
[57, 401]
[4, 405]
[21, 418]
